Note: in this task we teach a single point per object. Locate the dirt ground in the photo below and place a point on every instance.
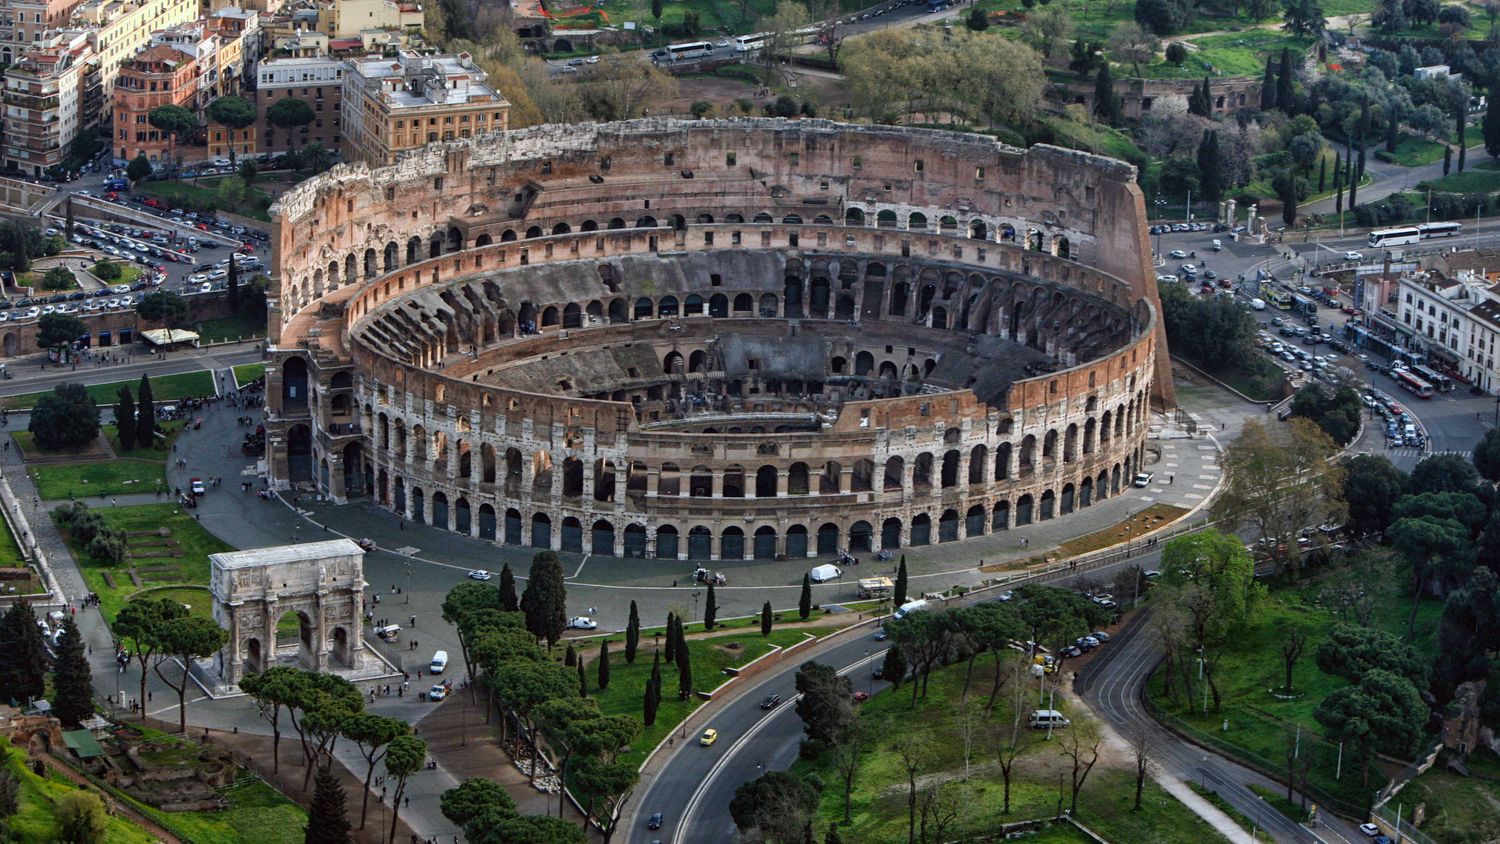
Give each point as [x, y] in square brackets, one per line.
[827, 93]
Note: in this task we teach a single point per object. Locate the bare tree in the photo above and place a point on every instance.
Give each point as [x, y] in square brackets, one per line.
[912, 748]
[1130, 43]
[1291, 651]
[943, 802]
[1006, 739]
[847, 750]
[1080, 745]
[966, 725]
[1141, 743]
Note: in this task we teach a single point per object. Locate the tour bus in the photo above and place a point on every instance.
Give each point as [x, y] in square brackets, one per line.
[1414, 385]
[1394, 237]
[689, 50]
[747, 43]
[1431, 230]
[1439, 381]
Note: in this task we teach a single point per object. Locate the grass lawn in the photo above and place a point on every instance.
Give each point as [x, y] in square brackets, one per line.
[254, 813]
[203, 193]
[34, 823]
[163, 388]
[1412, 151]
[1483, 177]
[247, 372]
[708, 658]
[128, 273]
[1260, 724]
[1225, 54]
[231, 328]
[10, 552]
[98, 478]
[878, 797]
[1460, 810]
[1092, 137]
[154, 561]
[197, 599]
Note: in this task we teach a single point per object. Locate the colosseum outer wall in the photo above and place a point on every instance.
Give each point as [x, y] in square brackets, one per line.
[350, 245]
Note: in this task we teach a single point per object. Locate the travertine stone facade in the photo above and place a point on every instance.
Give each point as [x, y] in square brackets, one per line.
[716, 339]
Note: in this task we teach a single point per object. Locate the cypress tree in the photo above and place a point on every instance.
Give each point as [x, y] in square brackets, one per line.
[125, 419]
[893, 669]
[1285, 99]
[684, 667]
[671, 653]
[603, 678]
[1447, 159]
[1209, 166]
[145, 414]
[1322, 174]
[650, 701]
[710, 609]
[632, 634]
[508, 600]
[72, 681]
[765, 619]
[1463, 151]
[832, 837]
[545, 599]
[1106, 104]
[1392, 132]
[1268, 85]
[804, 602]
[327, 819]
[1491, 124]
[570, 658]
[23, 660]
[1338, 170]
[233, 285]
[900, 591]
[583, 678]
[655, 681]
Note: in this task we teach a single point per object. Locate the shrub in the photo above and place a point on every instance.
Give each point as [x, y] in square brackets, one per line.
[108, 270]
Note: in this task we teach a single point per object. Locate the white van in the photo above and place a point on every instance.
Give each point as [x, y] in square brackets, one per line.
[910, 607]
[439, 662]
[1042, 719]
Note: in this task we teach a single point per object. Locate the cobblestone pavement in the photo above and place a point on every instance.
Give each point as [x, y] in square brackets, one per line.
[416, 565]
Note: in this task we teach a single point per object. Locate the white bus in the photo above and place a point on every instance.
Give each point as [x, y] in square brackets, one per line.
[1431, 230]
[1394, 237]
[748, 43]
[690, 50]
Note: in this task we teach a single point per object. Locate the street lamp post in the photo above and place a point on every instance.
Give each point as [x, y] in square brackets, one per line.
[407, 564]
[695, 606]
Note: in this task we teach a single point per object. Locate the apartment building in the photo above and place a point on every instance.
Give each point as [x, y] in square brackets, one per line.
[52, 93]
[348, 18]
[394, 105]
[318, 82]
[161, 75]
[1453, 321]
[122, 28]
[24, 23]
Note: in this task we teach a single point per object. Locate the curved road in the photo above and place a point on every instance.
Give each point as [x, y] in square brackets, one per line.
[1113, 683]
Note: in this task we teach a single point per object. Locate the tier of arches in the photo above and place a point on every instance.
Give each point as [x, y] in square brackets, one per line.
[375, 259]
[633, 537]
[533, 472]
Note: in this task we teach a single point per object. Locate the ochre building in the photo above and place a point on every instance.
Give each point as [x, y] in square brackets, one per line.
[716, 339]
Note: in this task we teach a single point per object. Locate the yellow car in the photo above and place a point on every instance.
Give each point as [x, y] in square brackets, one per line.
[709, 737]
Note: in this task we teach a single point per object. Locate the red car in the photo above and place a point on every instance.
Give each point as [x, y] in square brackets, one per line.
[112, 196]
[154, 203]
[861, 697]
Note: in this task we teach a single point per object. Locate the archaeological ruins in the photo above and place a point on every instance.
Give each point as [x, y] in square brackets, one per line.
[716, 339]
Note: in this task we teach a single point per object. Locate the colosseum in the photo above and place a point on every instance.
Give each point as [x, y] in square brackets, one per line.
[714, 340]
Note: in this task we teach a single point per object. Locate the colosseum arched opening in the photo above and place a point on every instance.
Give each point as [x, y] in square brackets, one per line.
[918, 338]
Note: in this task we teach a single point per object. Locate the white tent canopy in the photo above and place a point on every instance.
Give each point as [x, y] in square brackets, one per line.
[161, 337]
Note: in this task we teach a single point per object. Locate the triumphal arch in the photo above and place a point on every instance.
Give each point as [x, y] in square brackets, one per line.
[319, 584]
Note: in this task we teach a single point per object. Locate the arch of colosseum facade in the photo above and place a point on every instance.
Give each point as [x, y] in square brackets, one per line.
[716, 339]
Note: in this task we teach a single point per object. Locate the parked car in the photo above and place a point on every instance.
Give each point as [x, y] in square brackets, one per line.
[479, 574]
